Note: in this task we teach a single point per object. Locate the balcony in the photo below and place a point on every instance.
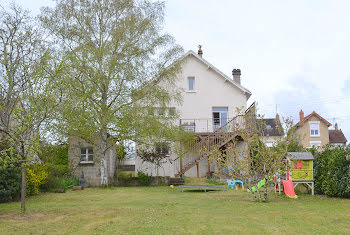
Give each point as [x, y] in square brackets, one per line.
[212, 124]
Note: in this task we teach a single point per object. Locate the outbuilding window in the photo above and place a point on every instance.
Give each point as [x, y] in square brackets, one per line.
[86, 155]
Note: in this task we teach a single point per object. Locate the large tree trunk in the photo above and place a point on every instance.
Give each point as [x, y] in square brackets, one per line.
[103, 162]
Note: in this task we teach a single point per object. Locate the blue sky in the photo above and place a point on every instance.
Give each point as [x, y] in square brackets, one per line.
[293, 53]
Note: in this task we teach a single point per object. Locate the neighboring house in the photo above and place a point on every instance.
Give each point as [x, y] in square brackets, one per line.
[272, 132]
[313, 131]
[336, 136]
[209, 108]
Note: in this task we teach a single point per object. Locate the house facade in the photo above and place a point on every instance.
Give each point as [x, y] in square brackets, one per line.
[314, 131]
[209, 108]
[271, 131]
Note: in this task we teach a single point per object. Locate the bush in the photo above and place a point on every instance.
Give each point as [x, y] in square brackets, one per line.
[332, 171]
[54, 154]
[10, 184]
[144, 179]
[36, 176]
[63, 182]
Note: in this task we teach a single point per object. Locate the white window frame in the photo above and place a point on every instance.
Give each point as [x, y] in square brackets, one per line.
[193, 85]
[269, 144]
[166, 147]
[315, 143]
[220, 111]
[86, 155]
[311, 123]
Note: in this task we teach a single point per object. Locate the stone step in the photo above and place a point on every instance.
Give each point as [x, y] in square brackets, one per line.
[176, 181]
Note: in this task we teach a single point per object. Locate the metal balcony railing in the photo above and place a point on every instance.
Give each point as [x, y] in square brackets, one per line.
[211, 124]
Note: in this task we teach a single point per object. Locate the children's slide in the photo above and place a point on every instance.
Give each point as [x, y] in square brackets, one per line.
[289, 189]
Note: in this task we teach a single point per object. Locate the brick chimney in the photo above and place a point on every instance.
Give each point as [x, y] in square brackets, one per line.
[336, 126]
[301, 115]
[277, 117]
[200, 52]
[236, 73]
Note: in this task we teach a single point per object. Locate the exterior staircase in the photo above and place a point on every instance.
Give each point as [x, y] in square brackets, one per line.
[206, 143]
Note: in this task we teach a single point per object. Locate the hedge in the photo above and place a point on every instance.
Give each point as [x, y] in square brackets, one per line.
[332, 171]
[10, 184]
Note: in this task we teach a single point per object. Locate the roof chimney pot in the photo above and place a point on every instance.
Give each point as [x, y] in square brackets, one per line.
[336, 126]
[301, 115]
[200, 52]
[236, 73]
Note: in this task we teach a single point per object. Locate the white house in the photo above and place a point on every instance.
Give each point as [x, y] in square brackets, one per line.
[210, 102]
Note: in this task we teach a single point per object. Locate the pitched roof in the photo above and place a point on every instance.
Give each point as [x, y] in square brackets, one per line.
[336, 136]
[313, 114]
[224, 76]
[300, 156]
[270, 127]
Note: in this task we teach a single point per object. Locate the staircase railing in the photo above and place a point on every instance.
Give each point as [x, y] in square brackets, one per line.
[206, 144]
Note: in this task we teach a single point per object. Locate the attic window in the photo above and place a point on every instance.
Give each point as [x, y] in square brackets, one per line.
[314, 129]
[268, 127]
[190, 83]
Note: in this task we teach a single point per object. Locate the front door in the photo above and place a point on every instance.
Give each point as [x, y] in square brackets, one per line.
[220, 117]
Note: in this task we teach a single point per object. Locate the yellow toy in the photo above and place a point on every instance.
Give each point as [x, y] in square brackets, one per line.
[171, 186]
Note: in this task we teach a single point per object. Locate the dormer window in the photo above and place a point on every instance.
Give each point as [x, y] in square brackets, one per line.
[190, 83]
[314, 129]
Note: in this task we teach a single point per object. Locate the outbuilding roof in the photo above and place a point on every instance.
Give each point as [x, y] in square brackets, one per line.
[336, 136]
[300, 156]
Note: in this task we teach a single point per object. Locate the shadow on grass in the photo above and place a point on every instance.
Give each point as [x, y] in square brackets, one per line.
[202, 191]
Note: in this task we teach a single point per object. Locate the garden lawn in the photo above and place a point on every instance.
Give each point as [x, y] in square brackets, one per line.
[162, 210]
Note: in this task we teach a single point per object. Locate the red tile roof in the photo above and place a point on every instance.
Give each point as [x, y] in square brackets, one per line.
[313, 114]
[336, 136]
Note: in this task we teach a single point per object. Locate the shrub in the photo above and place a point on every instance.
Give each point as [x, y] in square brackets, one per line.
[143, 178]
[36, 176]
[332, 171]
[54, 154]
[62, 182]
[10, 184]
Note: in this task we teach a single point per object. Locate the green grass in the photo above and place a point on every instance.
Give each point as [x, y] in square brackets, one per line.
[162, 210]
